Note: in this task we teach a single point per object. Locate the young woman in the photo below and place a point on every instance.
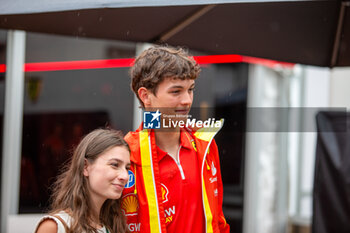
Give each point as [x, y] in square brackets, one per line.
[86, 196]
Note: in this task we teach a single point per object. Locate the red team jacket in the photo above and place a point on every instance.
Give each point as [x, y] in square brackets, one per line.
[142, 196]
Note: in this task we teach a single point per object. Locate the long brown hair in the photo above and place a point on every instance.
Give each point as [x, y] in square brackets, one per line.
[70, 191]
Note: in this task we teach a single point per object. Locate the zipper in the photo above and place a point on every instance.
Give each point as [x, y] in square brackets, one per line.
[202, 177]
[179, 164]
[202, 181]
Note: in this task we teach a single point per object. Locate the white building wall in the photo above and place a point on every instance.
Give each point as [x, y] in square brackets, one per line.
[304, 87]
[340, 88]
[316, 87]
[310, 91]
[265, 174]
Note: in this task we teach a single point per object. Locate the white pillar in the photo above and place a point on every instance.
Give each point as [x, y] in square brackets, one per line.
[265, 179]
[12, 134]
[251, 160]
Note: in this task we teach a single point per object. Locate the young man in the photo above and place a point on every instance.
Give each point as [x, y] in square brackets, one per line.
[175, 180]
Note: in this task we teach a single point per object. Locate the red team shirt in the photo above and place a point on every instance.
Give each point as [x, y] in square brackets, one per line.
[181, 188]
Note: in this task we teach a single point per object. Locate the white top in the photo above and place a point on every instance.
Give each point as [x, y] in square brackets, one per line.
[65, 217]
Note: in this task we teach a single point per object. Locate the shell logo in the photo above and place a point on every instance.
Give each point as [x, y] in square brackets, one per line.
[130, 205]
[165, 193]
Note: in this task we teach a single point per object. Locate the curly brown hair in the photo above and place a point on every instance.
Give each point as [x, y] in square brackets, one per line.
[155, 64]
[70, 191]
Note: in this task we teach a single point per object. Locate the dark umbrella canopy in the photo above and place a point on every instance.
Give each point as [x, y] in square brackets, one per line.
[307, 32]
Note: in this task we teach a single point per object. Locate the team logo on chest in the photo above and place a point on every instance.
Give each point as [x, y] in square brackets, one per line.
[130, 204]
[165, 193]
[169, 212]
[194, 145]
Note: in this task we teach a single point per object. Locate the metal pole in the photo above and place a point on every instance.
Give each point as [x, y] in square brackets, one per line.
[12, 134]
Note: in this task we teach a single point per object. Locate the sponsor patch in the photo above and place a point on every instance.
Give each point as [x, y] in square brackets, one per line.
[131, 181]
[134, 227]
[213, 169]
[213, 179]
[194, 145]
[169, 214]
[165, 193]
[130, 204]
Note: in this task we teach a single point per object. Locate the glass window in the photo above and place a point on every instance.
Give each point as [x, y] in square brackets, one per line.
[61, 106]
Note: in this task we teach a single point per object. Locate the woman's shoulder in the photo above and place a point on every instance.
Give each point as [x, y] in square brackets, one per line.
[47, 226]
[54, 223]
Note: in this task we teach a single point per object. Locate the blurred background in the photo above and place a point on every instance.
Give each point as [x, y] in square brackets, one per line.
[284, 147]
